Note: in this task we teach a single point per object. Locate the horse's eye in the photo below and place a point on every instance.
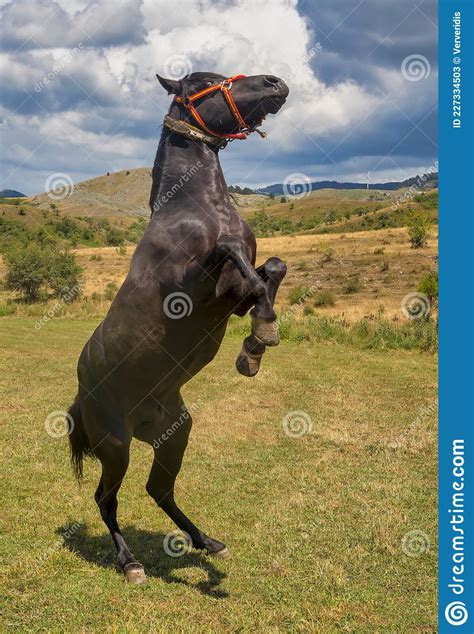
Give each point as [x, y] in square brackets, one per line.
[209, 83]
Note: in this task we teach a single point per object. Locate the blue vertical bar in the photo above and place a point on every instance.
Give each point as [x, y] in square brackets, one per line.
[456, 382]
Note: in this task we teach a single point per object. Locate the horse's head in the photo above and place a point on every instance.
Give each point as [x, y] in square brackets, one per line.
[230, 108]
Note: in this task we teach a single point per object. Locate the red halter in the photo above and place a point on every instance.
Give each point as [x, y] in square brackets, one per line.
[224, 87]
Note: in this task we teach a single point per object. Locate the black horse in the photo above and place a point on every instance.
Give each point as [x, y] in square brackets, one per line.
[192, 269]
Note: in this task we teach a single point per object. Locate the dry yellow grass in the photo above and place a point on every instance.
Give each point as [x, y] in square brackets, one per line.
[352, 254]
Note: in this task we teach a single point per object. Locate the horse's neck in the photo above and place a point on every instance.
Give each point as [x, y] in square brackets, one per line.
[185, 170]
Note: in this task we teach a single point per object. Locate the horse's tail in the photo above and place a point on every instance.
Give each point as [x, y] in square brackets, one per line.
[79, 443]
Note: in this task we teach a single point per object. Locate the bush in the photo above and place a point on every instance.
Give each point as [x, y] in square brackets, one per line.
[419, 225]
[324, 298]
[429, 285]
[298, 295]
[114, 237]
[96, 257]
[352, 285]
[35, 270]
[65, 276]
[110, 291]
[27, 271]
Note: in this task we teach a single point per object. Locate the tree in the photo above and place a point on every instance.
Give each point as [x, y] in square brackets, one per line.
[419, 225]
[429, 286]
[34, 270]
[27, 271]
[64, 275]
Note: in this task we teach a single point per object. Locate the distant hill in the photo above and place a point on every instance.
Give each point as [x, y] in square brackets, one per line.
[11, 193]
[424, 182]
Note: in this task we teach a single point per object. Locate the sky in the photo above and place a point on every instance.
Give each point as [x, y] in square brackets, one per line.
[79, 94]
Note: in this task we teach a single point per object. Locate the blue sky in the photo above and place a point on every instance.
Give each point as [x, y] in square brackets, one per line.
[79, 93]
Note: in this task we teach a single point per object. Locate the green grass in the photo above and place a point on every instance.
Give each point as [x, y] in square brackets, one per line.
[314, 523]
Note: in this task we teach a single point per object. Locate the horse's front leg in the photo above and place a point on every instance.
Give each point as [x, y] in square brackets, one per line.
[272, 273]
[252, 292]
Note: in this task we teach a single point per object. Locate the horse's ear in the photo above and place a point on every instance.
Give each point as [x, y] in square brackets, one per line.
[171, 85]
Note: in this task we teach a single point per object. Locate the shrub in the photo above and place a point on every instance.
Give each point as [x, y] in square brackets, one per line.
[307, 310]
[110, 291]
[324, 298]
[419, 225]
[96, 257]
[429, 285]
[298, 295]
[65, 276]
[114, 237]
[27, 271]
[351, 285]
[34, 270]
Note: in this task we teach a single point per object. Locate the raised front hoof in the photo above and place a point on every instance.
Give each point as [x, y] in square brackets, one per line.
[247, 364]
[134, 573]
[265, 331]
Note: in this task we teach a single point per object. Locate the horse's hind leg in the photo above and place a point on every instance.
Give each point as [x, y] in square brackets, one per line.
[272, 273]
[169, 449]
[114, 457]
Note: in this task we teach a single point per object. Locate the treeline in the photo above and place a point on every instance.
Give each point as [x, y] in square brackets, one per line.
[69, 233]
[235, 189]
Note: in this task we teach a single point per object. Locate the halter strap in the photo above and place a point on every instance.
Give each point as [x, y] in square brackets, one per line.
[225, 87]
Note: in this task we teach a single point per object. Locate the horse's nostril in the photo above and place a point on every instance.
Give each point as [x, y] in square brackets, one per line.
[271, 80]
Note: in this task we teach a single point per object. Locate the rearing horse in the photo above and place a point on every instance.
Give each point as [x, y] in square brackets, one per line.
[193, 268]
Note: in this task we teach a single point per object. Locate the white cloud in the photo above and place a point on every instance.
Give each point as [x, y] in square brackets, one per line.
[106, 100]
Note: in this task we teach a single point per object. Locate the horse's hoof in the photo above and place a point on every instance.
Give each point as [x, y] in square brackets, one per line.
[248, 364]
[266, 331]
[220, 554]
[134, 573]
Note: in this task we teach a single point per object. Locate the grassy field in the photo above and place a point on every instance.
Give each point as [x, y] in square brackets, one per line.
[315, 523]
[386, 267]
